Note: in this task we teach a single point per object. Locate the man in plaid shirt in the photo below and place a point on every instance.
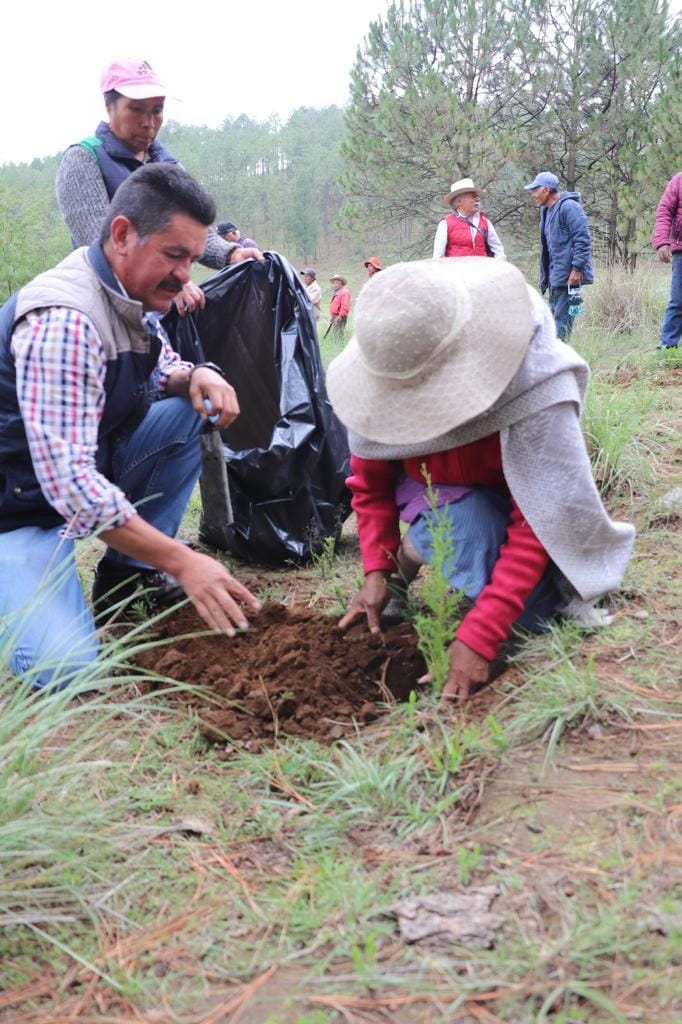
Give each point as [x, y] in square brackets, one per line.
[99, 432]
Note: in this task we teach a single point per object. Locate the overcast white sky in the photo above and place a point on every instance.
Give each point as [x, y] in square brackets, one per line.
[221, 59]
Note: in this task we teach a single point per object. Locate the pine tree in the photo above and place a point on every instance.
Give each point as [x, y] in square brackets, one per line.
[431, 94]
[500, 89]
[603, 92]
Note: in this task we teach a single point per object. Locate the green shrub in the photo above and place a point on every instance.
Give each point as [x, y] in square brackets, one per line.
[612, 421]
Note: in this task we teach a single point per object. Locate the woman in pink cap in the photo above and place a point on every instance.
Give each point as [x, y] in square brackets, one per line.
[91, 170]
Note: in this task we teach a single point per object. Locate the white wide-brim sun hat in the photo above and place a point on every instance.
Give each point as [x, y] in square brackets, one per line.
[458, 188]
[435, 344]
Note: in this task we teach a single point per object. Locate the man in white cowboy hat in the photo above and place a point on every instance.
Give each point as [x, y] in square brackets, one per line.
[466, 231]
[339, 307]
[455, 367]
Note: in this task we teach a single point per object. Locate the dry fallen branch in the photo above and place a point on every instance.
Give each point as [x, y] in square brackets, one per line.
[624, 766]
[444, 995]
[215, 857]
[237, 1003]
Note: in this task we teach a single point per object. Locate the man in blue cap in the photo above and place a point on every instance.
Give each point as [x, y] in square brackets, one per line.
[566, 253]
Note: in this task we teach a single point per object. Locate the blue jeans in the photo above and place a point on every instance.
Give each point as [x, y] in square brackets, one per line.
[478, 524]
[558, 303]
[47, 633]
[671, 328]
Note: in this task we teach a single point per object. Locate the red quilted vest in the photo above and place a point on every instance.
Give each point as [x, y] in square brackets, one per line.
[459, 237]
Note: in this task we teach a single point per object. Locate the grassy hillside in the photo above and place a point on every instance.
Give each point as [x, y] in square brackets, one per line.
[146, 876]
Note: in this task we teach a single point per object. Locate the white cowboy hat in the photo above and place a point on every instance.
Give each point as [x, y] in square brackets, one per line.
[436, 342]
[458, 188]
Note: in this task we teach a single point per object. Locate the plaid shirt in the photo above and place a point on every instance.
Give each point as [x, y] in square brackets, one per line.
[60, 372]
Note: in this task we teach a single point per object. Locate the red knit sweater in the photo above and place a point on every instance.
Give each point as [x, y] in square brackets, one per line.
[522, 560]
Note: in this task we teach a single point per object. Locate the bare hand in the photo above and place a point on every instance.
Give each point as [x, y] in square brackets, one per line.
[370, 600]
[190, 298]
[664, 254]
[214, 592]
[208, 386]
[466, 668]
[574, 279]
[238, 255]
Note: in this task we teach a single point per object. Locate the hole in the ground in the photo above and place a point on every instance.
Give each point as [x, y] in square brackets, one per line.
[294, 673]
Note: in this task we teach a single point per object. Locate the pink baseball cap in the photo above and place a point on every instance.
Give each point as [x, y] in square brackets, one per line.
[135, 79]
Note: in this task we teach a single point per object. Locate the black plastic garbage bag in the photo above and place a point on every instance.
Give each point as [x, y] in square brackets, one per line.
[287, 453]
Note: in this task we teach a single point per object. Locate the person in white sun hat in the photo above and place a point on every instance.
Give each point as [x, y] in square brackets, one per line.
[455, 370]
[466, 231]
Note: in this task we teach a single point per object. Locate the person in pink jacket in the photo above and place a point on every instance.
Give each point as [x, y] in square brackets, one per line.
[667, 241]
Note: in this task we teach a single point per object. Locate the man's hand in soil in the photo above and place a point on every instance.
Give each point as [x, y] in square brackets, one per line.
[214, 592]
[370, 600]
[466, 669]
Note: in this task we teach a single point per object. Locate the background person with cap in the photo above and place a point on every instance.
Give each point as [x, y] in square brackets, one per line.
[339, 307]
[231, 233]
[373, 265]
[566, 246]
[313, 289]
[454, 365]
[466, 231]
[91, 170]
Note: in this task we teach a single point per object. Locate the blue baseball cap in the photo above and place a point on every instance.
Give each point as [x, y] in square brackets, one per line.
[545, 179]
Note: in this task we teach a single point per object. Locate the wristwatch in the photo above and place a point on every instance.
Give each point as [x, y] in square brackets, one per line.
[209, 366]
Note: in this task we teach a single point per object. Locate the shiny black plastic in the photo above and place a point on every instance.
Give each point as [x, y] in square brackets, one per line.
[287, 453]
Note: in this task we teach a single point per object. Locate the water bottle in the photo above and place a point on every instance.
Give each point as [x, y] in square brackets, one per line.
[575, 301]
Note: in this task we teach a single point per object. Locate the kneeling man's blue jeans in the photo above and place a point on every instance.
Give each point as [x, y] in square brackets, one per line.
[477, 524]
[47, 632]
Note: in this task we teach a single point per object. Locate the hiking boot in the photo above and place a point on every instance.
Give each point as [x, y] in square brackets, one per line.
[117, 587]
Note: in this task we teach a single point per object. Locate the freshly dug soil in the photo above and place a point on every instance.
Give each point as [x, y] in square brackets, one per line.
[293, 672]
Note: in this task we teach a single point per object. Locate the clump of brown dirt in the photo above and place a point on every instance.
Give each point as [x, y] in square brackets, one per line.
[293, 672]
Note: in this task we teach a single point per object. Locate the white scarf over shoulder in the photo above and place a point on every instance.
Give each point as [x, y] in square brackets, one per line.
[545, 461]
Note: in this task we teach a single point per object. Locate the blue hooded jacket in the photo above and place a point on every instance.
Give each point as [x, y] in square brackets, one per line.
[570, 244]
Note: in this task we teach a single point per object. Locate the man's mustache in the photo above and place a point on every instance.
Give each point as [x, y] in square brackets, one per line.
[169, 284]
